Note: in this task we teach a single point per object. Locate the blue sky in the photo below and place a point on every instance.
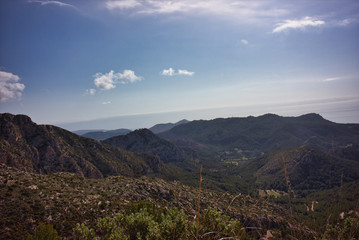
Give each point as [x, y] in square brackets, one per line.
[77, 63]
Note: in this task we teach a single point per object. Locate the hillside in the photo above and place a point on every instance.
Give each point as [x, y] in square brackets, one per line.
[306, 169]
[45, 149]
[162, 127]
[65, 199]
[102, 135]
[252, 136]
[144, 141]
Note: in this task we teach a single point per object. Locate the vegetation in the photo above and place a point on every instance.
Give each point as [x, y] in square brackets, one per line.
[44, 232]
[152, 223]
[347, 228]
[65, 199]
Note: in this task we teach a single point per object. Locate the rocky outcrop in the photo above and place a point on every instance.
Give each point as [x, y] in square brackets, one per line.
[45, 149]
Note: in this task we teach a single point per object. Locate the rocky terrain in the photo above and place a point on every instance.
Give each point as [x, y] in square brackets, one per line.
[45, 149]
[65, 199]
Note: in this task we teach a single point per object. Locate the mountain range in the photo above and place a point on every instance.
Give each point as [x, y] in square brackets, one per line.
[262, 134]
[102, 135]
[306, 157]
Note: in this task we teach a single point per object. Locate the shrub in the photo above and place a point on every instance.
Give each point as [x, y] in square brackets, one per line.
[152, 223]
[215, 225]
[44, 232]
[345, 229]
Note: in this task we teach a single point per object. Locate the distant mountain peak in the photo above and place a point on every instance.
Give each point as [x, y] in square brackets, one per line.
[145, 141]
[142, 131]
[162, 127]
[311, 116]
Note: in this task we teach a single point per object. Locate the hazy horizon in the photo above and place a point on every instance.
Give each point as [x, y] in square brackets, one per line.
[339, 111]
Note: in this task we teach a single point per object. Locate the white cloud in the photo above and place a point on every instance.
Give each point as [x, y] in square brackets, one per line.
[242, 10]
[105, 103]
[185, 72]
[109, 80]
[10, 88]
[172, 72]
[122, 4]
[129, 76]
[105, 81]
[58, 3]
[244, 41]
[297, 24]
[168, 72]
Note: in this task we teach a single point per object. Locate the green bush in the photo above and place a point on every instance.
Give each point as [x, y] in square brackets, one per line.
[347, 228]
[152, 223]
[214, 225]
[44, 232]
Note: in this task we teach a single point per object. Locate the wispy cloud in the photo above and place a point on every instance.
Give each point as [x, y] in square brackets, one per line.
[172, 72]
[107, 81]
[184, 72]
[345, 22]
[123, 4]
[10, 88]
[57, 3]
[105, 103]
[244, 41]
[239, 9]
[298, 24]
[332, 79]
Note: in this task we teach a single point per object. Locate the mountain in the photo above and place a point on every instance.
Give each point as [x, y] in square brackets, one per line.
[84, 131]
[102, 135]
[255, 135]
[306, 169]
[158, 128]
[45, 149]
[144, 141]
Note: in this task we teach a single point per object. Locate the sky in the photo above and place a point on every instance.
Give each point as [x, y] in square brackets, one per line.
[86, 64]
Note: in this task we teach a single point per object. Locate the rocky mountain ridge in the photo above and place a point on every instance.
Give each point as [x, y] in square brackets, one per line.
[45, 149]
